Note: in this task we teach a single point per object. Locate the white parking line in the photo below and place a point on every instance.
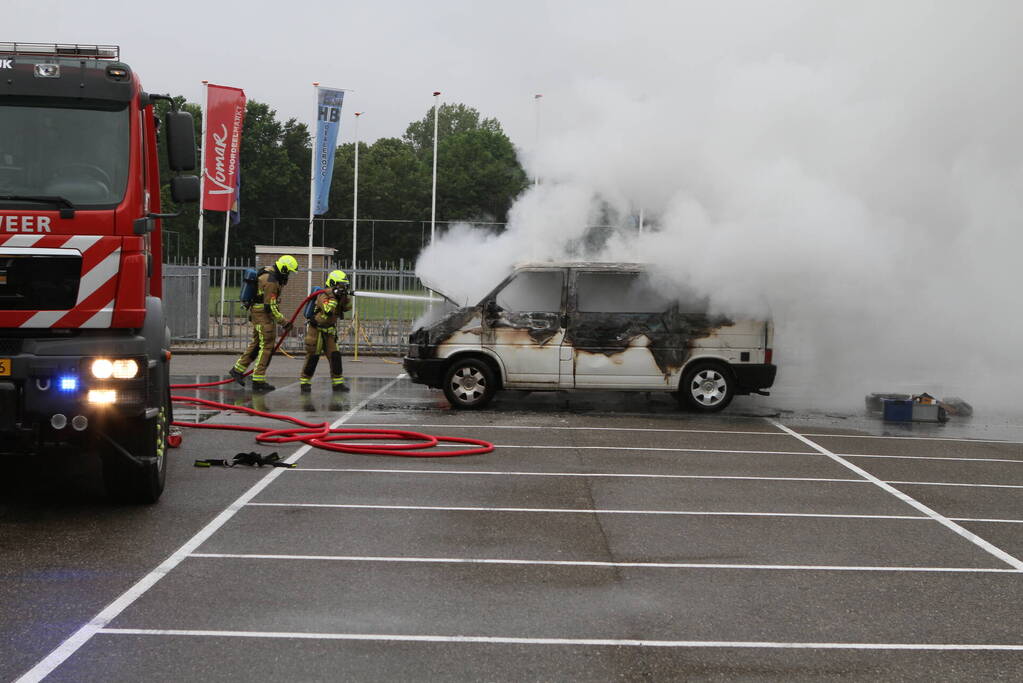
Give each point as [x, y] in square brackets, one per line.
[735, 452]
[601, 563]
[605, 642]
[649, 448]
[575, 474]
[382, 441]
[588, 511]
[599, 475]
[453, 425]
[110, 612]
[749, 452]
[953, 483]
[564, 429]
[928, 457]
[909, 500]
[1003, 442]
[582, 511]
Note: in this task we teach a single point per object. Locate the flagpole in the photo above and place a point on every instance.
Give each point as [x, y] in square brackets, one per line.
[202, 201]
[223, 264]
[312, 186]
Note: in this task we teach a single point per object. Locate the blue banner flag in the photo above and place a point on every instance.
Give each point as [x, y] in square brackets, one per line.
[328, 122]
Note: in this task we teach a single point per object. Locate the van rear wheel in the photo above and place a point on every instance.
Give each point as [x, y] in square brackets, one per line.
[469, 383]
[707, 387]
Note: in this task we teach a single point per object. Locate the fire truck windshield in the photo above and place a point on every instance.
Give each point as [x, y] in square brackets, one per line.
[61, 148]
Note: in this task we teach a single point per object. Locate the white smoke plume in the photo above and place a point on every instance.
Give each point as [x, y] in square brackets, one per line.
[858, 167]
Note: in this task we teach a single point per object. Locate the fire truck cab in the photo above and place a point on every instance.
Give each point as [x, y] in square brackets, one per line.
[84, 345]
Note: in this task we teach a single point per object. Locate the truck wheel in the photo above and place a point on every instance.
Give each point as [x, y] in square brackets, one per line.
[707, 387]
[469, 383]
[128, 482]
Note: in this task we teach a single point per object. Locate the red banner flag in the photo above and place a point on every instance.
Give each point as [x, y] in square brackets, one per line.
[225, 114]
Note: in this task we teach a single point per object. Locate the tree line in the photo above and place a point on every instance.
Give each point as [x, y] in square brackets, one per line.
[478, 178]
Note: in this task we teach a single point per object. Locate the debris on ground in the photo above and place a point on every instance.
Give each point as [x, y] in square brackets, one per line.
[956, 406]
[923, 407]
[875, 401]
[252, 459]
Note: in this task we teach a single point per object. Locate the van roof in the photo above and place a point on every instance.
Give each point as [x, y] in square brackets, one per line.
[589, 265]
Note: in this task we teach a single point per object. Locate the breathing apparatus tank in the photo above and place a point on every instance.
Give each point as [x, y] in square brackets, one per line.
[250, 286]
[310, 306]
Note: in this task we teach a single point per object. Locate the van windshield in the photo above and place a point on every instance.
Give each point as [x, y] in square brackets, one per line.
[53, 147]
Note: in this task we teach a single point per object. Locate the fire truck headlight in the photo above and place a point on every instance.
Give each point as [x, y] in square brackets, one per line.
[125, 369]
[47, 71]
[102, 368]
[102, 396]
[120, 368]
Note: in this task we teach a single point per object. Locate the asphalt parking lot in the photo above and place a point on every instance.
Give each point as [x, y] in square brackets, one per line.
[607, 537]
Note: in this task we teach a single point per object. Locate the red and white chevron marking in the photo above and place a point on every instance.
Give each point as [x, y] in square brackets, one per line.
[96, 291]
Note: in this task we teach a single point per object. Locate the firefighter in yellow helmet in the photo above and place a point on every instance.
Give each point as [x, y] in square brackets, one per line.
[321, 332]
[265, 314]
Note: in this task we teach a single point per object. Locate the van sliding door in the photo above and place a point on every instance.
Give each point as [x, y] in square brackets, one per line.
[618, 331]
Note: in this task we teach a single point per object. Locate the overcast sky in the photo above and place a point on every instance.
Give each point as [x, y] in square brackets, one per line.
[493, 56]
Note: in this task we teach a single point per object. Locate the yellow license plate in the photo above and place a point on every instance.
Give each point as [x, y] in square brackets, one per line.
[5, 367]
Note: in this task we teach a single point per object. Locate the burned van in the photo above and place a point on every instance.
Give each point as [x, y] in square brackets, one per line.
[574, 326]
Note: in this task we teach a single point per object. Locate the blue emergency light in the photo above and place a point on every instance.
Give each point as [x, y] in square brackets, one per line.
[68, 383]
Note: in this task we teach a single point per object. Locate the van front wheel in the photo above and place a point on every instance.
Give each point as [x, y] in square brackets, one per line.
[707, 387]
[469, 383]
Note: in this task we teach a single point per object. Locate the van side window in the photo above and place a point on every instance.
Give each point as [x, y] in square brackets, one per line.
[533, 291]
[618, 293]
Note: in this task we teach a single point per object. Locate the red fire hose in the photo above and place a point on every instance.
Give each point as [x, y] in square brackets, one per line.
[322, 435]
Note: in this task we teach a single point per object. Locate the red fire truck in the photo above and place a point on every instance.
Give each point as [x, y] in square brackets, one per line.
[84, 344]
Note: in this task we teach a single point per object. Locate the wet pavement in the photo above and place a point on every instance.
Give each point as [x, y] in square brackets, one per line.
[609, 536]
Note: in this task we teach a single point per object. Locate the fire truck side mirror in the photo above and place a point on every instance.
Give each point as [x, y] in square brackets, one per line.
[184, 188]
[180, 131]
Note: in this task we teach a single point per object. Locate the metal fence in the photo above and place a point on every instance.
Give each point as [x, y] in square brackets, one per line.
[376, 325]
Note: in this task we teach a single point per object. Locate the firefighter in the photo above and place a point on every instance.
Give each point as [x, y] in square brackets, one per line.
[265, 314]
[321, 332]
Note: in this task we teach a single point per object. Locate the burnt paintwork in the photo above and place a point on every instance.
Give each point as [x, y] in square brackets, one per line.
[439, 331]
[541, 327]
[671, 334]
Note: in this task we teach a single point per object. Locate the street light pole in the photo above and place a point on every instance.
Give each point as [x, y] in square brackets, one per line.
[536, 137]
[433, 207]
[355, 192]
[312, 188]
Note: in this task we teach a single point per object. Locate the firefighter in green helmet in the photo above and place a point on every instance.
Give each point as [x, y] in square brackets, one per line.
[265, 314]
[321, 332]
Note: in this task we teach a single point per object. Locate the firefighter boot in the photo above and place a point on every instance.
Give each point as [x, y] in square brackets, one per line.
[237, 375]
[305, 388]
[337, 380]
[262, 387]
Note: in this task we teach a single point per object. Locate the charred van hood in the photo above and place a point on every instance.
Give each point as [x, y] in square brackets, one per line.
[429, 284]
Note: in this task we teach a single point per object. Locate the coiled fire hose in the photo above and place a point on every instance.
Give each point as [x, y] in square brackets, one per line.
[322, 435]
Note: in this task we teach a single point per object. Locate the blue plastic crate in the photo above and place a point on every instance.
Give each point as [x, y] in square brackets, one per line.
[897, 410]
